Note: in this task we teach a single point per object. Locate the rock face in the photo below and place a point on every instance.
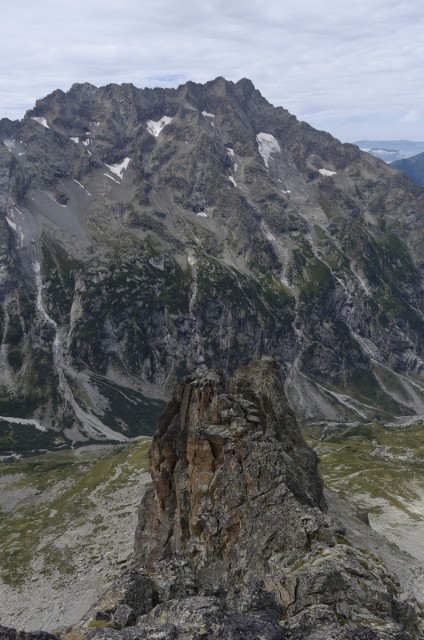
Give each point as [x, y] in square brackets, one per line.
[233, 540]
[226, 462]
[146, 232]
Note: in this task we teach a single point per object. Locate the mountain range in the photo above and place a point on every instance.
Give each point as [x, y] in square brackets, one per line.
[145, 233]
[391, 150]
[413, 167]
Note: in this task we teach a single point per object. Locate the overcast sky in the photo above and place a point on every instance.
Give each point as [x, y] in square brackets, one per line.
[353, 68]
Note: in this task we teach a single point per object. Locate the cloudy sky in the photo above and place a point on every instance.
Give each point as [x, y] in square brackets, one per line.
[354, 69]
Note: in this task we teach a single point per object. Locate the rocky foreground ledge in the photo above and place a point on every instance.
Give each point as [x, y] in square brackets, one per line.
[233, 539]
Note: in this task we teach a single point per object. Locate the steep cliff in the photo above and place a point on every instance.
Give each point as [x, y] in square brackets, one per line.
[146, 232]
[233, 540]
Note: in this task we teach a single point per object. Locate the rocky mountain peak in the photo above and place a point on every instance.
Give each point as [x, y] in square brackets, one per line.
[171, 228]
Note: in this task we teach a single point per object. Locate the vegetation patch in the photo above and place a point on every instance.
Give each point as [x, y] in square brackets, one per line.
[130, 297]
[15, 333]
[25, 438]
[373, 464]
[59, 273]
[20, 406]
[59, 490]
[363, 385]
[131, 408]
[319, 281]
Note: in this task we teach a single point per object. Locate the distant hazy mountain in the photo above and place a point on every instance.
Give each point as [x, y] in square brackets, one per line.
[413, 167]
[391, 150]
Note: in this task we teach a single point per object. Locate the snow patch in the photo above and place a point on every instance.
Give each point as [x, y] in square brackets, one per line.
[111, 178]
[327, 172]
[82, 187]
[33, 423]
[191, 260]
[75, 139]
[155, 126]
[16, 226]
[285, 191]
[56, 202]
[9, 144]
[208, 115]
[235, 167]
[269, 236]
[231, 179]
[202, 214]
[267, 145]
[118, 169]
[230, 152]
[41, 121]
[86, 142]
[11, 224]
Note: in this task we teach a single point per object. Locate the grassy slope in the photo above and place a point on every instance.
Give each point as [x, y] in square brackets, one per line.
[380, 469]
[58, 493]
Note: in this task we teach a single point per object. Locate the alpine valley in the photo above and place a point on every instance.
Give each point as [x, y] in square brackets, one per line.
[148, 232]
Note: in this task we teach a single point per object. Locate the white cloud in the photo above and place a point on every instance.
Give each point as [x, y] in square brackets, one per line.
[343, 67]
[412, 116]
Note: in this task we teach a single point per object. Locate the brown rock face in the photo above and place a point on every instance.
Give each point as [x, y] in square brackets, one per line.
[234, 484]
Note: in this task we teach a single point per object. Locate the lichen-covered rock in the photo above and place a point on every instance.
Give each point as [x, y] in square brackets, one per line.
[204, 617]
[123, 616]
[129, 597]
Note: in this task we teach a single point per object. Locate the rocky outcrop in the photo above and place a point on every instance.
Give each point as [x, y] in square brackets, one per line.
[233, 539]
[218, 478]
[7, 633]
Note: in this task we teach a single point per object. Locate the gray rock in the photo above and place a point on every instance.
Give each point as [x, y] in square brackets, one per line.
[161, 632]
[123, 616]
[7, 633]
[124, 557]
